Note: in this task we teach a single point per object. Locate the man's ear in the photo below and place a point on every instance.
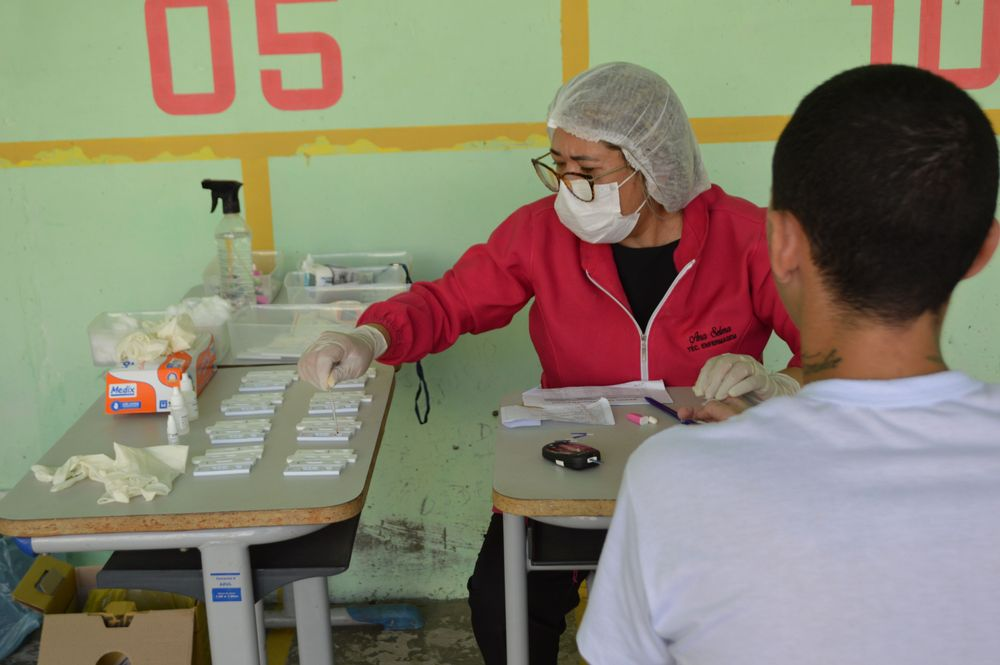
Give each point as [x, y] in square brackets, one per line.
[986, 251]
[785, 244]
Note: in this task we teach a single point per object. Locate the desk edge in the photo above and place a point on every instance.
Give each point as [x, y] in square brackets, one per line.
[554, 507]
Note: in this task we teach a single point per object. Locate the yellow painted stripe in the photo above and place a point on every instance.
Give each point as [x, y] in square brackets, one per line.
[256, 145]
[253, 148]
[739, 129]
[994, 116]
[257, 196]
[575, 37]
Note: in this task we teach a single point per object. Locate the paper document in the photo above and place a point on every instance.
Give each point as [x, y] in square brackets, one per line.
[633, 392]
[595, 412]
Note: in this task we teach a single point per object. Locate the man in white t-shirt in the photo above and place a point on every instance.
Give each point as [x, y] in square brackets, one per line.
[857, 522]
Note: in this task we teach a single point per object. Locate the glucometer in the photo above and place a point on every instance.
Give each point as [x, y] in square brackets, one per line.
[571, 455]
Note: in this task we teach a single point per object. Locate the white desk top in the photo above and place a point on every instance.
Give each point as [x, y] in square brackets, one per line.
[524, 483]
[263, 498]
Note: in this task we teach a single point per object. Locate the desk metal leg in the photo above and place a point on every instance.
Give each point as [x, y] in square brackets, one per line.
[258, 610]
[229, 603]
[515, 574]
[312, 621]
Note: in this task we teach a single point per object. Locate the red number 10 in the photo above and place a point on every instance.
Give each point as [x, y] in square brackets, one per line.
[270, 42]
[929, 55]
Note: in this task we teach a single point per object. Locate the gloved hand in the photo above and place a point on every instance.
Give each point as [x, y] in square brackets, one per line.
[339, 356]
[733, 374]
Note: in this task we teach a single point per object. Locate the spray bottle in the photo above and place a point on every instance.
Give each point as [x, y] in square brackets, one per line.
[232, 239]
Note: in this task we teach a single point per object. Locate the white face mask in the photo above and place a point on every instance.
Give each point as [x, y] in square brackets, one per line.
[597, 221]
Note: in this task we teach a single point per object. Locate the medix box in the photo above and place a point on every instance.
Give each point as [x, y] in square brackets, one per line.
[146, 387]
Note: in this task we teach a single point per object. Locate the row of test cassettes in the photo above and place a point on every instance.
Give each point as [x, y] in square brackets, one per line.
[240, 436]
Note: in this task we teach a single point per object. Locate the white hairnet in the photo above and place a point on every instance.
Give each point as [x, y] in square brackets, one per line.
[636, 110]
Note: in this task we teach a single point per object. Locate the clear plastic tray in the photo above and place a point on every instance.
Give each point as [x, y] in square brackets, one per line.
[270, 264]
[300, 291]
[368, 261]
[108, 328]
[283, 332]
[362, 276]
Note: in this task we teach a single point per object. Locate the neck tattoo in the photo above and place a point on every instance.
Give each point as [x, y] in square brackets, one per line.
[818, 362]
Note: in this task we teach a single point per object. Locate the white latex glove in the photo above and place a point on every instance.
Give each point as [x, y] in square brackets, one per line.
[339, 356]
[733, 374]
[147, 472]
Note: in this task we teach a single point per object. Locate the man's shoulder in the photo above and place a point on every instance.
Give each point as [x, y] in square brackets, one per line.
[685, 448]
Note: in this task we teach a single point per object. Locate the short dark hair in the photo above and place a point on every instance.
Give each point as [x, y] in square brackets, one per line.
[892, 172]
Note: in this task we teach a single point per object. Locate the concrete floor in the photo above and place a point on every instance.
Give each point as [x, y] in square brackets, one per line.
[445, 639]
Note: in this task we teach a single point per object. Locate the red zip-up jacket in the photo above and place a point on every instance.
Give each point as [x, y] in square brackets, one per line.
[722, 301]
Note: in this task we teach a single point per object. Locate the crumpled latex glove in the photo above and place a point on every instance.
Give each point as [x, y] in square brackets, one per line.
[733, 374]
[178, 331]
[140, 347]
[145, 472]
[337, 356]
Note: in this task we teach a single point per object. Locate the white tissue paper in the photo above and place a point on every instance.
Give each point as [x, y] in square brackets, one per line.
[134, 471]
[597, 412]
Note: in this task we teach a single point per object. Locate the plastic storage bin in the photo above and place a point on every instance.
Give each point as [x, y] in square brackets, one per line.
[108, 328]
[362, 276]
[283, 332]
[269, 263]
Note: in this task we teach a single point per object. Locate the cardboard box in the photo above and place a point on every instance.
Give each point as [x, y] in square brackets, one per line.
[160, 637]
[146, 387]
[144, 627]
[49, 586]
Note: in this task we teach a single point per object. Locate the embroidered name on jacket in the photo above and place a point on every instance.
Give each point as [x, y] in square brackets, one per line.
[700, 340]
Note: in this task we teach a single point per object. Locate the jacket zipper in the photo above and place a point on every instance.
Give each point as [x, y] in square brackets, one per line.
[644, 334]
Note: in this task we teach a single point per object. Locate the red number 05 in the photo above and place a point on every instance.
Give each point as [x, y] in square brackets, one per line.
[270, 42]
[159, 59]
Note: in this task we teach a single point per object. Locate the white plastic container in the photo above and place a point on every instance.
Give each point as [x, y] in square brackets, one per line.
[283, 332]
[363, 276]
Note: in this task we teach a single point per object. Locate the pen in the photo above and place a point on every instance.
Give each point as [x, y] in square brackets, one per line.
[663, 407]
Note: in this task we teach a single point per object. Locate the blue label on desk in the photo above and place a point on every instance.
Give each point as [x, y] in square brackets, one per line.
[223, 595]
[122, 406]
[226, 587]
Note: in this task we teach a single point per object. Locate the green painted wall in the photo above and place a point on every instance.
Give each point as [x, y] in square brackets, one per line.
[80, 239]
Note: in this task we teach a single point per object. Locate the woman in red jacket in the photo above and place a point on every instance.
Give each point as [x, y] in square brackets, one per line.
[640, 269]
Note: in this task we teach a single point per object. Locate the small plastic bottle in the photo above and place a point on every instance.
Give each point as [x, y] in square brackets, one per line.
[172, 436]
[179, 411]
[190, 397]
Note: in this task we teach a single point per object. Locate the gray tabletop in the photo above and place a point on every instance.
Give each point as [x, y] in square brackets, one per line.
[524, 483]
[264, 497]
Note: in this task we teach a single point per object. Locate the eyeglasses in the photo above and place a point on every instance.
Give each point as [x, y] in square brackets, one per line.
[551, 179]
